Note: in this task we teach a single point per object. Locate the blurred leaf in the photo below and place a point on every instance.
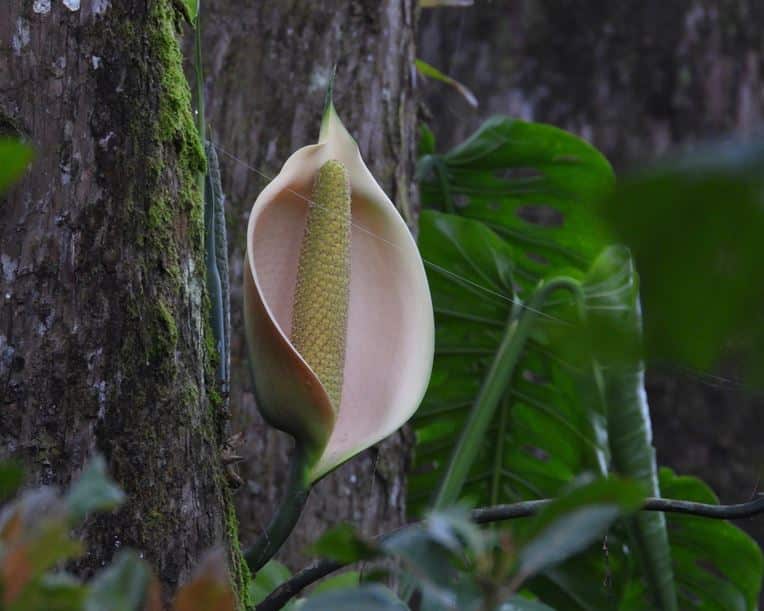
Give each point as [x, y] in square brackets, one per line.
[348, 579]
[523, 604]
[372, 597]
[694, 225]
[454, 530]
[14, 158]
[93, 491]
[122, 586]
[34, 552]
[429, 71]
[574, 521]
[422, 554]
[53, 592]
[344, 544]
[11, 477]
[210, 589]
[267, 579]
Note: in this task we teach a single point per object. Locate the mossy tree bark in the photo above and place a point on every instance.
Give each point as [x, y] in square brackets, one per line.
[267, 70]
[103, 332]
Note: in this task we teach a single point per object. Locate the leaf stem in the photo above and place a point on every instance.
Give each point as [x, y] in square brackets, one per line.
[286, 516]
[498, 378]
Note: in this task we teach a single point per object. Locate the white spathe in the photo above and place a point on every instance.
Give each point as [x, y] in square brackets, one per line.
[390, 336]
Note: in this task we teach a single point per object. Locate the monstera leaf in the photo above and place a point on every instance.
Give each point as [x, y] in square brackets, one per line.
[717, 566]
[533, 188]
[534, 185]
[530, 191]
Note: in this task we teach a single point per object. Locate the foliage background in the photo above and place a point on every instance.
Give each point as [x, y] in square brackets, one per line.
[637, 79]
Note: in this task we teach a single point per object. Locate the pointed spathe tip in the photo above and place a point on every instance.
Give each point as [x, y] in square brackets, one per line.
[329, 99]
[328, 105]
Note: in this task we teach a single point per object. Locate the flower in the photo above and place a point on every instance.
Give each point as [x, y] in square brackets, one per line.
[339, 318]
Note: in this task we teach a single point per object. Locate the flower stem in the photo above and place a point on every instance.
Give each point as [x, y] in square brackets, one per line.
[286, 516]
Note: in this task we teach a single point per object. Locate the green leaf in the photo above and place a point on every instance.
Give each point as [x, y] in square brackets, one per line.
[429, 71]
[534, 189]
[533, 184]
[544, 433]
[267, 579]
[120, 587]
[717, 565]
[694, 225]
[372, 597]
[574, 521]
[612, 303]
[343, 543]
[14, 158]
[93, 491]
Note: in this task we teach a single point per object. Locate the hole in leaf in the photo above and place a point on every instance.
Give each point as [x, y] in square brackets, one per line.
[536, 453]
[690, 595]
[534, 378]
[710, 567]
[537, 258]
[518, 173]
[460, 200]
[541, 214]
[572, 159]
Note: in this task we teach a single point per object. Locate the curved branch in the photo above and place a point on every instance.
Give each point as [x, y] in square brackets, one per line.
[320, 569]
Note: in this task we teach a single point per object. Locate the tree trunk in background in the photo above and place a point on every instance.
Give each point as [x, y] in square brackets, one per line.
[102, 310]
[267, 68]
[636, 78]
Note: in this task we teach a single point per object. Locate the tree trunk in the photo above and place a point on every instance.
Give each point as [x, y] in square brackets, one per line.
[267, 68]
[636, 78]
[103, 332]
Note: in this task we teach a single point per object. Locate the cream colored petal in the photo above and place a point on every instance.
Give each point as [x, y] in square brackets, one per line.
[289, 394]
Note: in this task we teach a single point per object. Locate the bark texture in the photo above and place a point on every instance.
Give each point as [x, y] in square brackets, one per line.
[268, 66]
[637, 78]
[103, 333]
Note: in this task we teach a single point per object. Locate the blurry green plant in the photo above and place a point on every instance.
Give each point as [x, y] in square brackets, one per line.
[455, 564]
[694, 224]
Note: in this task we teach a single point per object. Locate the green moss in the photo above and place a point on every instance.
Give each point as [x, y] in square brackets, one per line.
[176, 122]
[165, 333]
[167, 205]
[240, 574]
